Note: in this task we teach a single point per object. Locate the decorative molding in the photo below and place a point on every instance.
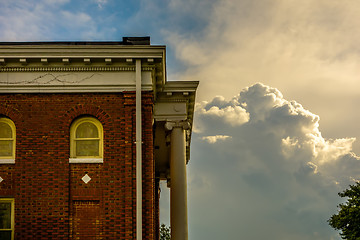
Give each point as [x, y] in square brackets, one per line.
[108, 61]
[81, 51]
[185, 125]
[180, 86]
[70, 69]
[23, 61]
[86, 178]
[70, 88]
[170, 111]
[87, 61]
[173, 100]
[41, 80]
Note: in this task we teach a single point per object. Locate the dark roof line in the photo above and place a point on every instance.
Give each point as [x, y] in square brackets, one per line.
[125, 41]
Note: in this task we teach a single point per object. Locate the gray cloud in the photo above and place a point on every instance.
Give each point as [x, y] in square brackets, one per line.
[310, 51]
[275, 178]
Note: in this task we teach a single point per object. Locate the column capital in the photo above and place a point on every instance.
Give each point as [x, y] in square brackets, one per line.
[184, 124]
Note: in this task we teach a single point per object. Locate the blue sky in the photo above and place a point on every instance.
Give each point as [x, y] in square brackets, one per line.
[276, 124]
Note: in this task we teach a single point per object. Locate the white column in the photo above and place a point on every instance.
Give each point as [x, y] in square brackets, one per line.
[138, 152]
[178, 184]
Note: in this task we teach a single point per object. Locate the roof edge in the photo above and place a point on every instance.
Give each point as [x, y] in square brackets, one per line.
[126, 41]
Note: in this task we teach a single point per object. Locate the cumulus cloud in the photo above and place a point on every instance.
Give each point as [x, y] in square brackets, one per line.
[295, 129]
[310, 51]
[276, 168]
[218, 109]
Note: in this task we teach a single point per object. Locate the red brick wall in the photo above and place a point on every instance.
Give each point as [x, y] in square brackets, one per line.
[51, 200]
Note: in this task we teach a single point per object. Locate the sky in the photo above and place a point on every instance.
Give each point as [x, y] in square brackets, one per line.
[276, 131]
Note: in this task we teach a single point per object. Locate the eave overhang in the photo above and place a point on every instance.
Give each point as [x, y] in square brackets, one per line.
[79, 58]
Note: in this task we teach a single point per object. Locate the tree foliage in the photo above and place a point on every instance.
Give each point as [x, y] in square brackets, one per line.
[165, 232]
[347, 220]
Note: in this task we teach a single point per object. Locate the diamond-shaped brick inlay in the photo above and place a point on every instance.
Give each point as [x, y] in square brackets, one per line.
[1, 179]
[86, 178]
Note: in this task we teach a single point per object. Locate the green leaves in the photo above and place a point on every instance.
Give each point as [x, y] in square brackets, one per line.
[348, 218]
[165, 232]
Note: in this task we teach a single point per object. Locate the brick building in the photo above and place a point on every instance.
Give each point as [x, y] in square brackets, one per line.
[87, 131]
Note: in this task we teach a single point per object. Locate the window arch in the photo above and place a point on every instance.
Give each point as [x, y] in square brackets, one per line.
[86, 141]
[7, 140]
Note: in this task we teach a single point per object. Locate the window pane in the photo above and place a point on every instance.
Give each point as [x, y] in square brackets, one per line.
[5, 235]
[87, 148]
[6, 148]
[5, 216]
[5, 130]
[87, 130]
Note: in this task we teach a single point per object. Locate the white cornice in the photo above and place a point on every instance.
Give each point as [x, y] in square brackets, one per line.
[82, 58]
[81, 51]
[70, 69]
[180, 86]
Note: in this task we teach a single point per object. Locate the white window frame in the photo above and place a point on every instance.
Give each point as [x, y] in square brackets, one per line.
[12, 202]
[9, 159]
[85, 159]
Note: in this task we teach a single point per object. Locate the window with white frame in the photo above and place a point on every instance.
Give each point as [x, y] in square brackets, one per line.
[7, 140]
[6, 218]
[86, 141]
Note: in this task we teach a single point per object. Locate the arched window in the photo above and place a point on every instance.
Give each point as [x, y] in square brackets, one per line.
[7, 141]
[86, 141]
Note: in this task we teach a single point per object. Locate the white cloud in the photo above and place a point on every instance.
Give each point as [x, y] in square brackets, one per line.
[234, 115]
[52, 20]
[310, 51]
[295, 129]
[313, 167]
[229, 113]
[21, 18]
[278, 171]
[289, 147]
[76, 19]
[214, 139]
[57, 2]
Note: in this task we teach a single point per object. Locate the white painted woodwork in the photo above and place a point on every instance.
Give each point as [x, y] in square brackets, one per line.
[178, 189]
[138, 152]
[90, 81]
